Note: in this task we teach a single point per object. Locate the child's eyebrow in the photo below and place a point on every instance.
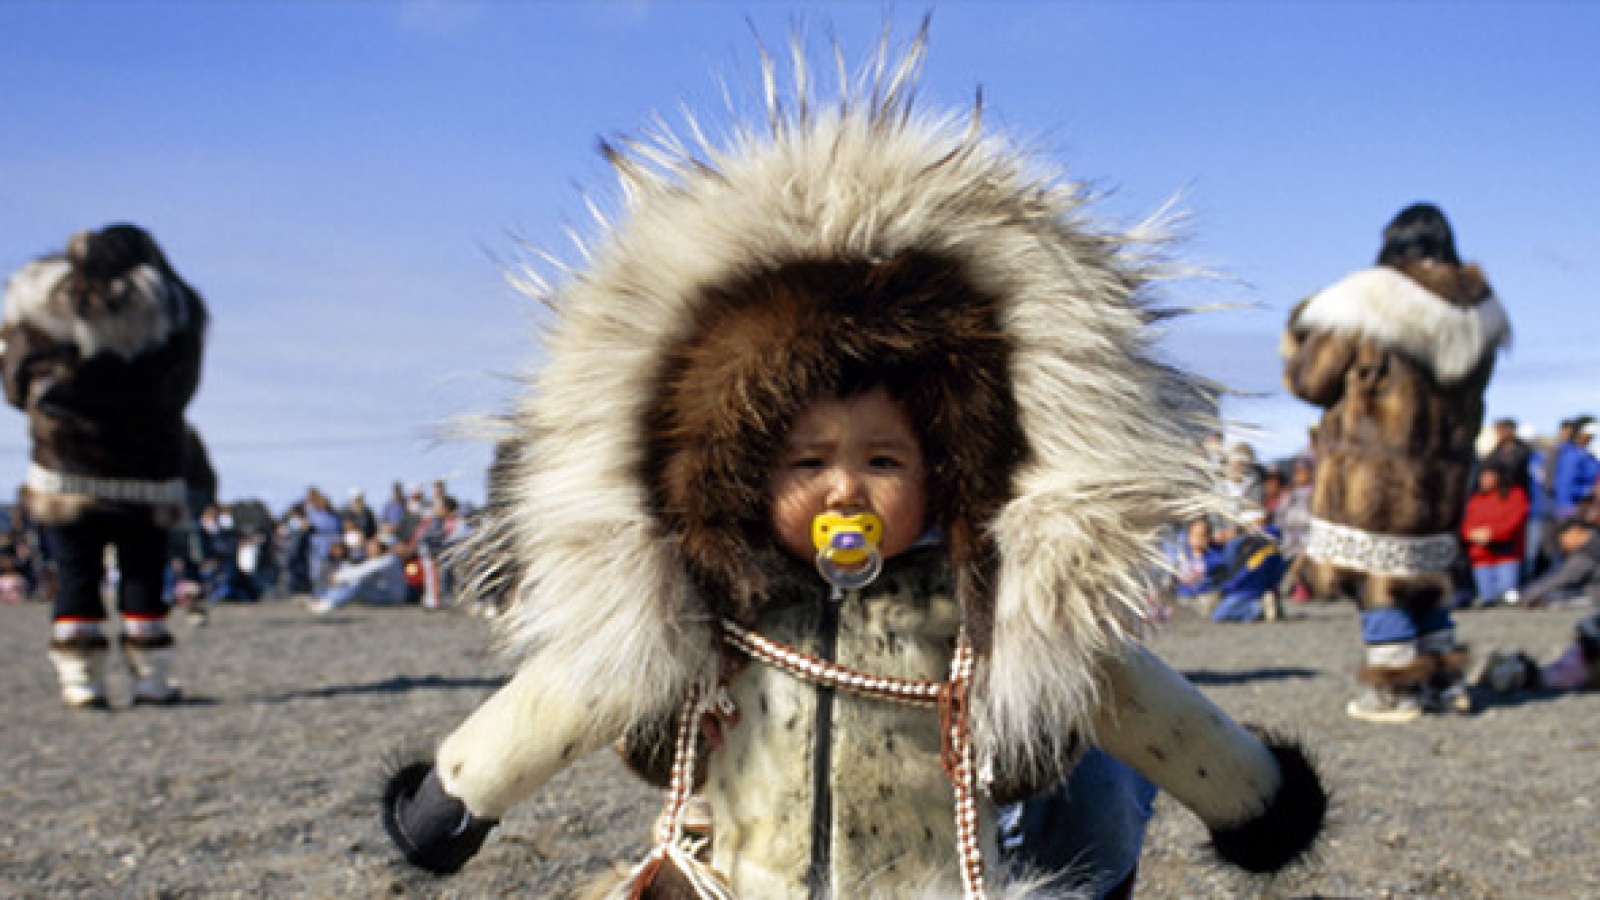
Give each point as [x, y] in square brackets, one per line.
[798, 445]
[891, 442]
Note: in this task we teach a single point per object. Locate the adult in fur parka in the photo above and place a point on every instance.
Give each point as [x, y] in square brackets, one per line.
[1399, 356]
[833, 252]
[102, 350]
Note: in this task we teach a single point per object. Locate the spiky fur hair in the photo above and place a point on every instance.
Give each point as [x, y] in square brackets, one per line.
[631, 530]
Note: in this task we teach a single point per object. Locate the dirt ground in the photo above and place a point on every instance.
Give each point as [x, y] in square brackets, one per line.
[262, 783]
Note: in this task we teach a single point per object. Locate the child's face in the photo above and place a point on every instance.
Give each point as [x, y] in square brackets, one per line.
[849, 456]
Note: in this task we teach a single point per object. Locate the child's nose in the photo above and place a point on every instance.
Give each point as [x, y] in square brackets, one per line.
[845, 488]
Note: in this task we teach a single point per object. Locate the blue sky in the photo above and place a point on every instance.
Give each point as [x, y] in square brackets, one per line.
[346, 182]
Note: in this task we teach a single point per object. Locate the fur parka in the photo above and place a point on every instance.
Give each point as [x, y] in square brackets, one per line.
[827, 249]
[102, 350]
[1399, 359]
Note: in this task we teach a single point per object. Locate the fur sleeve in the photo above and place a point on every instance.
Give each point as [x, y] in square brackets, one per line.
[1315, 369]
[1237, 783]
[516, 741]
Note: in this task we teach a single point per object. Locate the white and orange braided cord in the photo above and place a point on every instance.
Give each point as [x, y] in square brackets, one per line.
[672, 845]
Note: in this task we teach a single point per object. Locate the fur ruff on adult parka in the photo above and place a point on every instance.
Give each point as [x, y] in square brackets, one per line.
[830, 249]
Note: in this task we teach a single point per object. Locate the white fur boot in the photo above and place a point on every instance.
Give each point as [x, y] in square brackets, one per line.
[151, 667]
[82, 673]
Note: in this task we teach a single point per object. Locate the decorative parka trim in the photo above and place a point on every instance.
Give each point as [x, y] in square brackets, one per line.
[123, 490]
[1380, 554]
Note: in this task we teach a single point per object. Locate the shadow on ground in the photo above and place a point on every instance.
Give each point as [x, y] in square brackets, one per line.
[1213, 677]
[389, 686]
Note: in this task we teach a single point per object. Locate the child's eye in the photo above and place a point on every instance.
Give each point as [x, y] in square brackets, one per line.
[885, 462]
[806, 462]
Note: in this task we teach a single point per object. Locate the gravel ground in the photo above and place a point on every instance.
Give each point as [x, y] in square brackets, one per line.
[262, 783]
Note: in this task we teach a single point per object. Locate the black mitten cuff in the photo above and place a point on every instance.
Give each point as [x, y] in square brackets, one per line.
[434, 830]
[1288, 828]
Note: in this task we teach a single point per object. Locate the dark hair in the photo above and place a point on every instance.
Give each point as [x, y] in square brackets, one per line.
[1418, 232]
[1504, 473]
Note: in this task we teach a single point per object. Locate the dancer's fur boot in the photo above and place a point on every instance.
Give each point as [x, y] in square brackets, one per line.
[81, 668]
[150, 662]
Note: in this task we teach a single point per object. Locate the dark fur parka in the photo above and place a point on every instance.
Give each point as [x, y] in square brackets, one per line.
[102, 350]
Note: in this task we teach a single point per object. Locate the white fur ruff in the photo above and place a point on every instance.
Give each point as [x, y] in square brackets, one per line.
[33, 298]
[1383, 305]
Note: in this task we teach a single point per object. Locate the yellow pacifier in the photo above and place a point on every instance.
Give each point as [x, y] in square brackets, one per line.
[847, 548]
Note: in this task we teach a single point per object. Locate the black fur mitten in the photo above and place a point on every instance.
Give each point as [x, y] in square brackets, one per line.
[1288, 828]
[434, 830]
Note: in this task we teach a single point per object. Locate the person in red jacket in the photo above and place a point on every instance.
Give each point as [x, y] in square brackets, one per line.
[1494, 528]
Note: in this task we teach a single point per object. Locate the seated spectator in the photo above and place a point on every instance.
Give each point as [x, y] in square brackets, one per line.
[378, 578]
[1253, 569]
[1198, 562]
[1577, 578]
[1494, 527]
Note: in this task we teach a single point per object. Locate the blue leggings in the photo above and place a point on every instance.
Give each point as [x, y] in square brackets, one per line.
[1393, 625]
[1087, 832]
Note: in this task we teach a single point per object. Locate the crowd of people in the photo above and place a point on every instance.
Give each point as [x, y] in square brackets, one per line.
[1240, 567]
[1530, 535]
[1530, 530]
[314, 551]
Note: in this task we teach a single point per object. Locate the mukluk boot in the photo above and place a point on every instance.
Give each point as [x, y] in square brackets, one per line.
[150, 663]
[80, 664]
[1394, 680]
[1446, 689]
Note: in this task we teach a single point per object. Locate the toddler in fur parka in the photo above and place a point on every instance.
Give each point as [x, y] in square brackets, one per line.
[856, 311]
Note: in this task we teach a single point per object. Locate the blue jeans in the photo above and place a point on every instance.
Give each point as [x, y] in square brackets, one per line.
[1086, 832]
[1495, 580]
[1237, 608]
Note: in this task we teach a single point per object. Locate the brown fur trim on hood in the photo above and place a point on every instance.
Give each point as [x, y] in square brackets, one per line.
[763, 346]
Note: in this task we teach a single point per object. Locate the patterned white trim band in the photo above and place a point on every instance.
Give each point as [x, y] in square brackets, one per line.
[1392, 656]
[122, 489]
[1379, 554]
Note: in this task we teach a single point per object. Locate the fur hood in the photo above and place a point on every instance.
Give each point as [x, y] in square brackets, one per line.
[1444, 316]
[823, 244]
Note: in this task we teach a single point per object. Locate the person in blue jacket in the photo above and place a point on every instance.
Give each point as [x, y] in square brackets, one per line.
[1253, 569]
[1576, 468]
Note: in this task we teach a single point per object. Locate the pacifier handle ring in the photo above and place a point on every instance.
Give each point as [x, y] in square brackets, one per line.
[849, 579]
